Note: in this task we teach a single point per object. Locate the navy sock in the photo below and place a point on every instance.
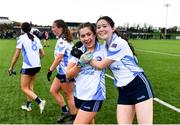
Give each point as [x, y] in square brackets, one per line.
[65, 109]
[28, 103]
[38, 100]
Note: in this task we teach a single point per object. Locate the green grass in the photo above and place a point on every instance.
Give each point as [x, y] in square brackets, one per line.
[162, 70]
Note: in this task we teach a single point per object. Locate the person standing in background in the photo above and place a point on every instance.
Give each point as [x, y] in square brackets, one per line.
[46, 37]
[32, 51]
[61, 53]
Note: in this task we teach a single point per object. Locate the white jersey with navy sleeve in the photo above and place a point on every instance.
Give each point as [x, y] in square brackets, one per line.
[90, 82]
[30, 50]
[124, 67]
[64, 48]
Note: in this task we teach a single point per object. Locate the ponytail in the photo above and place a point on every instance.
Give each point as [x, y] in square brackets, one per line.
[125, 37]
[66, 32]
[30, 36]
[26, 27]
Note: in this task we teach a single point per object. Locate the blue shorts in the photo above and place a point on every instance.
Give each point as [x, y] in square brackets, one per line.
[89, 106]
[62, 78]
[30, 71]
[136, 91]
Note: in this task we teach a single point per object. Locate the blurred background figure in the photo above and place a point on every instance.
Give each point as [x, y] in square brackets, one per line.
[46, 37]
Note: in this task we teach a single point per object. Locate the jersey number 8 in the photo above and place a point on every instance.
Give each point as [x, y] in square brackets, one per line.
[34, 46]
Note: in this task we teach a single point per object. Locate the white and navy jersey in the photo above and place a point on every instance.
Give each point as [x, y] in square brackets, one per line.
[30, 51]
[124, 67]
[90, 82]
[64, 48]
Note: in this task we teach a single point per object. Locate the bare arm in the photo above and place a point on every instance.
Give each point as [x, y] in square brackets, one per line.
[41, 53]
[15, 58]
[72, 70]
[56, 62]
[101, 64]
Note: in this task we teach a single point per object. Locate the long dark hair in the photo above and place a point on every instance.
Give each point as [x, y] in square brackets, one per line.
[122, 35]
[87, 24]
[90, 26]
[26, 28]
[66, 32]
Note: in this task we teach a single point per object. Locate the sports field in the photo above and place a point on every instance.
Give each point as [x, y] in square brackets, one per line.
[159, 58]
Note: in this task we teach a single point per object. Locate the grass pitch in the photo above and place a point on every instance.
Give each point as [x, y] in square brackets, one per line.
[159, 58]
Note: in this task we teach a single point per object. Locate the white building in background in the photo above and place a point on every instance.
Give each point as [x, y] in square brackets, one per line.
[5, 20]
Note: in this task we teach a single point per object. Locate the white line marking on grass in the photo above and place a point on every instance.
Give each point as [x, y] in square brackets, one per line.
[109, 76]
[157, 100]
[167, 105]
[148, 51]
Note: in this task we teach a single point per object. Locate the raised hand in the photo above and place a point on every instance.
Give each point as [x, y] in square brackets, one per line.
[76, 53]
[75, 50]
[85, 58]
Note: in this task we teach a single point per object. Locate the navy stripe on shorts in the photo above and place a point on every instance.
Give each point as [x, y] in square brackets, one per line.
[88, 105]
[30, 71]
[138, 90]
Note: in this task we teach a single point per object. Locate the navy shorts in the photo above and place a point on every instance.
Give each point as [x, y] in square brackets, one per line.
[136, 91]
[30, 71]
[62, 78]
[88, 105]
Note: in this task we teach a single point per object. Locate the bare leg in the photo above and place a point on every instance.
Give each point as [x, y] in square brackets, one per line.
[144, 112]
[55, 88]
[26, 80]
[84, 117]
[125, 114]
[68, 91]
[31, 87]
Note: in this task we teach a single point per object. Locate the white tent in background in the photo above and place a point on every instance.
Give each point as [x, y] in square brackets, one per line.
[5, 20]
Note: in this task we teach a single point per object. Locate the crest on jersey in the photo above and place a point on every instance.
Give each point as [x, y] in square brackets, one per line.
[114, 45]
[98, 58]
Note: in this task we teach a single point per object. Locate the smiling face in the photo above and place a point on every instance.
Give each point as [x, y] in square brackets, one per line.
[57, 31]
[88, 38]
[104, 30]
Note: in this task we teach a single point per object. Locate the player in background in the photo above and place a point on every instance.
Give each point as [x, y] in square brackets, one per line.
[46, 37]
[32, 51]
[61, 53]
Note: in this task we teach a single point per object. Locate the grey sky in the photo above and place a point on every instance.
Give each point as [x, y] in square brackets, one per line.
[44, 12]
